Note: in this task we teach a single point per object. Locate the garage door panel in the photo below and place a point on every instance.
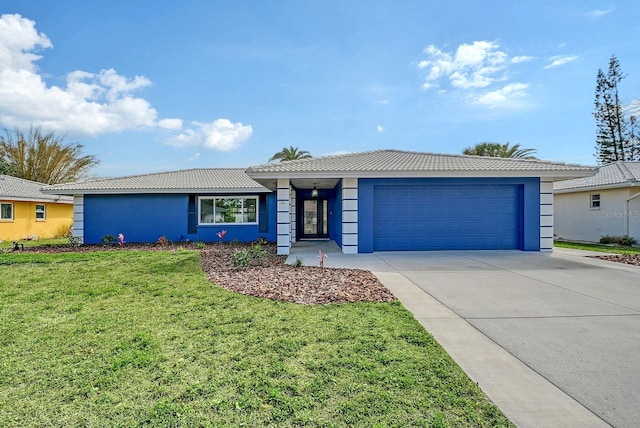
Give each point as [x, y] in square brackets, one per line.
[440, 217]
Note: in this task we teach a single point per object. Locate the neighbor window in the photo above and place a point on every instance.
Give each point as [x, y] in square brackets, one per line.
[6, 211]
[41, 213]
[595, 200]
[236, 209]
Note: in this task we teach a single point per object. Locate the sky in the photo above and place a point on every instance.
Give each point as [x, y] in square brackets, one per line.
[150, 86]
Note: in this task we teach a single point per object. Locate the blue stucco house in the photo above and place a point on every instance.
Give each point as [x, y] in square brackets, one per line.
[383, 200]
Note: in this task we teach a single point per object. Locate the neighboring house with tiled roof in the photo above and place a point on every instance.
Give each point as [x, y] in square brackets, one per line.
[381, 200]
[27, 213]
[607, 203]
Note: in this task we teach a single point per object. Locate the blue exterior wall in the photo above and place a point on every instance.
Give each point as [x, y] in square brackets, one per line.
[147, 217]
[529, 205]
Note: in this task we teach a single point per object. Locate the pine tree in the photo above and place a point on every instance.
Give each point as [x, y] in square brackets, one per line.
[616, 134]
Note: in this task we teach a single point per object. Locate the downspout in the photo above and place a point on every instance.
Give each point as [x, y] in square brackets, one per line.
[627, 212]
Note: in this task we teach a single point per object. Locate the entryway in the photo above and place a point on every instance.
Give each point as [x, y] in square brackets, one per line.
[315, 218]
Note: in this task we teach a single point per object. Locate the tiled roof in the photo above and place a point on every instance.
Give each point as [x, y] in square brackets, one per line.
[191, 180]
[612, 175]
[390, 161]
[13, 188]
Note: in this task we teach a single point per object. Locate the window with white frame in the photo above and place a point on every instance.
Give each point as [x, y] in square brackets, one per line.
[594, 200]
[41, 212]
[6, 211]
[228, 210]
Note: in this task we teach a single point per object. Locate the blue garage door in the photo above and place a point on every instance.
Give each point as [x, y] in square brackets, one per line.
[446, 217]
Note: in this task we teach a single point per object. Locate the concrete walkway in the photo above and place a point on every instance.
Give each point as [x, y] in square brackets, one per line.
[527, 397]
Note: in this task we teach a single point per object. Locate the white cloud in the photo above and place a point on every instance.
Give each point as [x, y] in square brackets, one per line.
[89, 103]
[480, 69]
[173, 124]
[475, 65]
[195, 157]
[221, 134]
[511, 95]
[558, 60]
[383, 102]
[519, 59]
[599, 13]
[379, 128]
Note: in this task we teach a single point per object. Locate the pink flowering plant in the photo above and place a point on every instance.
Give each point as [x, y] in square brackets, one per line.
[322, 256]
[121, 239]
[221, 234]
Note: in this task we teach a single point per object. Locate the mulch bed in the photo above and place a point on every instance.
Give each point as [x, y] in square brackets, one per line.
[271, 278]
[267, 276]
[630, 259]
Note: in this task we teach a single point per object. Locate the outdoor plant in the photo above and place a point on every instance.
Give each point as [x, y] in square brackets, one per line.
[262, 240]
[240, 258]
[257, 252]
[120, 239]
[221, 234]
[625, 240]
[200, 245]
[163, 241]
[75, 241]
[298, 262]
[108, 239]
[322, 256]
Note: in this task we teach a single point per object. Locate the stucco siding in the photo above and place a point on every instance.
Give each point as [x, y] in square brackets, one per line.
[147, 217]
[576, 220]
[58, 218]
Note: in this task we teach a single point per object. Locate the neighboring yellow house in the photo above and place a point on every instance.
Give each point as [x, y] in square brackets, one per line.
[27, 213]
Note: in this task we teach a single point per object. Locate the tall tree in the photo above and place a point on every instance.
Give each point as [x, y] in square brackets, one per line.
[616, 133]
[43, 157]
[500, 151]
[291, 153]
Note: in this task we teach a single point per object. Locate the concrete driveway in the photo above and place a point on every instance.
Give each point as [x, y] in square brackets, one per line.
[552, 339]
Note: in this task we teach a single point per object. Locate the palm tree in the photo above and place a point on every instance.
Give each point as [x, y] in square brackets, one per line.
[291, 153]
[44, 158]
[500, 151]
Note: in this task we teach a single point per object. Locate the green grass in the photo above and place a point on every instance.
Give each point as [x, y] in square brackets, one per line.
[597, 247]
[143, 339]
[36, 243]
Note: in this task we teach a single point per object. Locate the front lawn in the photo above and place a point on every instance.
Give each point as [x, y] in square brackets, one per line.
[136, 338]
[617, 249]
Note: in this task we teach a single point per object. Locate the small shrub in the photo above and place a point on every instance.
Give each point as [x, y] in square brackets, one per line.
[108, 239]
[200, 245]
[257, 252]
[163, 241]
[75, 241]
[298, 262]
[240, 258]
[625, 240]
[262, 241]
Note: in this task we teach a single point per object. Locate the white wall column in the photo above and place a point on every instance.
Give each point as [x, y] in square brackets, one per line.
[350, 215]
[546, 215]
[283, 219]
[78, 218]
[292, 214]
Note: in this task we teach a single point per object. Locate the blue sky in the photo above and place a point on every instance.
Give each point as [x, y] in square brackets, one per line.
[152, 86]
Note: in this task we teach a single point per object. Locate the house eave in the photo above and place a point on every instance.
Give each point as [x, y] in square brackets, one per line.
[599, 187]
[267, 178]
[43, 200]
[225, 191]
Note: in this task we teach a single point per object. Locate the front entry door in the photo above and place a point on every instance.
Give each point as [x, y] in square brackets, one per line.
[315, 218]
